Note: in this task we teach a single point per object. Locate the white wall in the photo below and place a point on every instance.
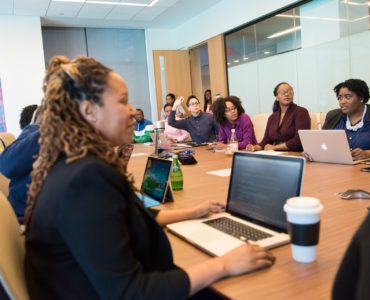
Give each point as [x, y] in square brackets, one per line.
[21, 66]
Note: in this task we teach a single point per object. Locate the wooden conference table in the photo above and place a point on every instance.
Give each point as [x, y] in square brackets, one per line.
[287, 279]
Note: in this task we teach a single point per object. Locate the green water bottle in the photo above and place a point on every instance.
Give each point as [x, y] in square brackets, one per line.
[177, 180]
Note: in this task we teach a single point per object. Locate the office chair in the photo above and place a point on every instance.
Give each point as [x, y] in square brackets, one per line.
[12, 253]
[259, 123]
[6, 138]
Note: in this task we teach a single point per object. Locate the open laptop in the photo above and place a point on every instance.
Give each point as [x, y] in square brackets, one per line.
[329, 146]
[258, 189]
[155, 188]
[166, 144]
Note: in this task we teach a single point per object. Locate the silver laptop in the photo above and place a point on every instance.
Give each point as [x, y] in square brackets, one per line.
[329, 146]
[165, 144]
[155, 188]
[258, 189]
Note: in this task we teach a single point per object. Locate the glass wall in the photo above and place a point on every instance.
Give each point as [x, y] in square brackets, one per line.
[123, 50]
[312, 46]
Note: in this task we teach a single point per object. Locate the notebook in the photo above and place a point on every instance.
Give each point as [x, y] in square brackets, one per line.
[155, 188]
[329, 146]
[258, 189]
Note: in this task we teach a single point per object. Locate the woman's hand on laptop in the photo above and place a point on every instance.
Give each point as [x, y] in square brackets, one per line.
[307, 157]
[165, 217]
[358, 154]
[246, 258]
[203, 210]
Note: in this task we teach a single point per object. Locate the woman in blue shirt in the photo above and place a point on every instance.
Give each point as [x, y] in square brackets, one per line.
[353, 116]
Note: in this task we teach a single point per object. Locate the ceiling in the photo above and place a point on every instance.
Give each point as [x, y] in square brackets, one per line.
[88, 13]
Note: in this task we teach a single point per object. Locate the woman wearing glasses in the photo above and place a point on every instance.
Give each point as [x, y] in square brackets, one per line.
[353, 116]
[201, 125]
[282, 126]
[230, 114]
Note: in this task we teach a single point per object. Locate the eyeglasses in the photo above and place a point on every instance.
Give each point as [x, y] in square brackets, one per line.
[193, 103]
[345, 96]
[227, 110]
[283, 93]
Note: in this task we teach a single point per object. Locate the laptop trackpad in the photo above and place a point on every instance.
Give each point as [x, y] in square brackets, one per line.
[209, 239]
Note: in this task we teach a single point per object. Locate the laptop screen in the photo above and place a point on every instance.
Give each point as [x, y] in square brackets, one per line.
[261, 184]
[155, 178]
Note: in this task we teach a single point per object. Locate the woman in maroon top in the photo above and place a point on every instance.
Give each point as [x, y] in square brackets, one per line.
[282, 126]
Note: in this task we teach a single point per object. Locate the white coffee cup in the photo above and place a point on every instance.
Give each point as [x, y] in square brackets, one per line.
[303, 215]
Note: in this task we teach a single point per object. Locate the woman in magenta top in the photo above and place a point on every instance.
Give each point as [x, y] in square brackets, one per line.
[282, 126]
[229, 113]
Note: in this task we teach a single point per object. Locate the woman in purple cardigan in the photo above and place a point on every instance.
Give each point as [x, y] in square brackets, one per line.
[282, 126]
[229, 113]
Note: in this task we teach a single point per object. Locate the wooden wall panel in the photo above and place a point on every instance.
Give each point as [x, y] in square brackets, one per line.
[177, 69]
[196, 74]
[217, 65]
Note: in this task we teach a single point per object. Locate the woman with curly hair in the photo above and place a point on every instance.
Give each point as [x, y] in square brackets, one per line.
[88, 236]
[353, 116]
[230, 114]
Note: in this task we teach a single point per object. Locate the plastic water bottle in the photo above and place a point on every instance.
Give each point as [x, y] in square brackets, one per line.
[177, 180]
[233, 143]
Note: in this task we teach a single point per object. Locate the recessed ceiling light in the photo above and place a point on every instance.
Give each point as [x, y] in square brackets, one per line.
[79, 1]
[236, 60]
[110, 2]
[284, 32]
[266, 52]
[115, 3]
[228, 64]
[245, 58]
[152, 3]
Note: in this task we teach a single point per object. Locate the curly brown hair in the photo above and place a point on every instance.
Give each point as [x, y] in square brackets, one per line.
[219, 107]
[62, 127]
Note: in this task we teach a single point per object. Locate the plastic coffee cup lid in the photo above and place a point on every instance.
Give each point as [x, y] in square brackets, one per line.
[303, 205]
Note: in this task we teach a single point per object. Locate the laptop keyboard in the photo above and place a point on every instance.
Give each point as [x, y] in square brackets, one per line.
[236, 229]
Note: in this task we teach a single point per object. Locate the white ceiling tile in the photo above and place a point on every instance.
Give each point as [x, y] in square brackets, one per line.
[149, 13]
[93, 11]
[6, 7]
[165, 13]
[65, 9]
[123, 12]
[30, 8]
[135, 1]
[165, 3]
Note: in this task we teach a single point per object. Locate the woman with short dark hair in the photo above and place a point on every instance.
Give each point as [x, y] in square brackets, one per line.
[353, 116]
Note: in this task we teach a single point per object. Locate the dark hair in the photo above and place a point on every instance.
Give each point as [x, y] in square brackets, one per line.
[26, 115]
[140, 110]
[277, 87]
[219, 107]
[206, 101]
[189, 98]
[357, 86]
[171, 95]
[167, 105]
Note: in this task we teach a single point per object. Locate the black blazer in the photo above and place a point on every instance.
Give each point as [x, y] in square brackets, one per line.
[91, 238]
